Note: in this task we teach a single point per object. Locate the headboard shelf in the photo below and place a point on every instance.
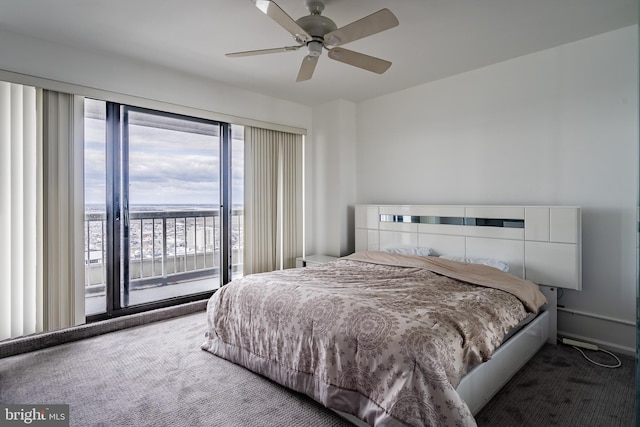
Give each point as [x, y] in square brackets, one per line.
[455, 220]
[540, 243]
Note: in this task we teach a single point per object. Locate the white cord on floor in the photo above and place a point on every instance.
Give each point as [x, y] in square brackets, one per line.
[600, 364]
[593, 361]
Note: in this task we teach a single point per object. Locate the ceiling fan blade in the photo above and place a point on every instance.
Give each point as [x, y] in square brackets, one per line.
[285, 21]
[307, 67]
[369, 25]
[360, 60]
[263, 51]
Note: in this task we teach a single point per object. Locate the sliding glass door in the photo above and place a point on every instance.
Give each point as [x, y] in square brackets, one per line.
[170, 198]
[170, 229]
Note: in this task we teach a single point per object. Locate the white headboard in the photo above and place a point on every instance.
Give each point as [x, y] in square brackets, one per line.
[540, 243]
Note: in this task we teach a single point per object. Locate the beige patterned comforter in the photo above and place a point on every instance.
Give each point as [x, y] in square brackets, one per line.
[377, 335]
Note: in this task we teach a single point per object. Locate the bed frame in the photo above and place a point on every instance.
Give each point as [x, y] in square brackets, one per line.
[540, 243]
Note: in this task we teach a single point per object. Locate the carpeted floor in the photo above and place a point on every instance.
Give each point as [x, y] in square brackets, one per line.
[156, 375]
[558, 387]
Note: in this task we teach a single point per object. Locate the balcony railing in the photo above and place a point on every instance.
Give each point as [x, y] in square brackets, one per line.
[164, 247]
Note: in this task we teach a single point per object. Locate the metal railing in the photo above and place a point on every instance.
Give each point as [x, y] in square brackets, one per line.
[164, 247]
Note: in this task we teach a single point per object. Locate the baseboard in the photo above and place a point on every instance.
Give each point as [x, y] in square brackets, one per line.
[618, 336]
[42, 340]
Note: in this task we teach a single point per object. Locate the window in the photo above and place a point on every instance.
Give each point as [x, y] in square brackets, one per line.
[163, 207]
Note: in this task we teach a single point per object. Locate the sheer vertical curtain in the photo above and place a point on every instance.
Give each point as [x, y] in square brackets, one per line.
[272, 200]
[20, 216]
[63, 209]
[40, 215]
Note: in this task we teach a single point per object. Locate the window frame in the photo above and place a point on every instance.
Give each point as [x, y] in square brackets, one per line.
[114, 122]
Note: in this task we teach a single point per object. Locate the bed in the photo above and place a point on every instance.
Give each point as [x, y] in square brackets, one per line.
[397, 338]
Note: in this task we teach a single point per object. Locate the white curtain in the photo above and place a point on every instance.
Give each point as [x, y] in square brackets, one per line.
[272, 200]
[63, 209]
[41, 211]
[20, 213]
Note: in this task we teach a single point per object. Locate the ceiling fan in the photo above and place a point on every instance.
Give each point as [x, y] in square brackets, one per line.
[316, 32]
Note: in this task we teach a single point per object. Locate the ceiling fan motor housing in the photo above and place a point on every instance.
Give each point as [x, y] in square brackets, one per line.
[317, 25]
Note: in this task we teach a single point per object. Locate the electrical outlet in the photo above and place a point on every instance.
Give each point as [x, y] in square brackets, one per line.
[575, 343]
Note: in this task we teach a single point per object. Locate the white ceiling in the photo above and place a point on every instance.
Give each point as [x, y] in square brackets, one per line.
[435, 38]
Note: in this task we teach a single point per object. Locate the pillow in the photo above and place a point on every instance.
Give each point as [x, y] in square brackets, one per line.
[500, 265]
[410, 251]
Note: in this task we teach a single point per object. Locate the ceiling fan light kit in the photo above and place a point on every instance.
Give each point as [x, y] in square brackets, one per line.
[316, 32]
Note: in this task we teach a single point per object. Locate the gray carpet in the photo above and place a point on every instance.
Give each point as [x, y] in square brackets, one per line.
[153, 375]
[558, 387]
[156, 375]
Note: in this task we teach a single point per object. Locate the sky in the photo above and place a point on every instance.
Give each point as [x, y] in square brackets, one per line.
[165, 166]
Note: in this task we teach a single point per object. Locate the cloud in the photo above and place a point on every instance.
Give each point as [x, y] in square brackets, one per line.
[165, 166]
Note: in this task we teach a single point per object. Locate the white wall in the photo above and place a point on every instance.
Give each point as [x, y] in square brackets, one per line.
[33, 57]
[558, 127]
[333, 193]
